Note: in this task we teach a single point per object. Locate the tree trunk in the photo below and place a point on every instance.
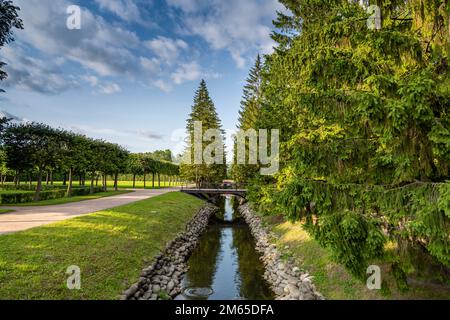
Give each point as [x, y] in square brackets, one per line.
[30, 180]
[37, 194]
[47, 179]
[69, 187]
[105, 186]
[116, 177]
[65, 179]
[159, 181]
[91, 191]
[51, 177]
[145, 180]
[96, 180]
[134, 181]
[153, 180]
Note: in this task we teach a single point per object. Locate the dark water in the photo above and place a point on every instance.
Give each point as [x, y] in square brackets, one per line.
[225, 265]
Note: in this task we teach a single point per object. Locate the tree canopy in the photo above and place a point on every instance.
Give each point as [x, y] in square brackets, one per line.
[9, 19]
[365, 127]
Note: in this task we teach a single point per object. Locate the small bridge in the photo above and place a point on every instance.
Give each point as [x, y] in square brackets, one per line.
[208, 194]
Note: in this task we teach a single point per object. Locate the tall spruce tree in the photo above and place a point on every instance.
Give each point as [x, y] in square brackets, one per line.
[365, 127]
[204, 111]
[248, 115]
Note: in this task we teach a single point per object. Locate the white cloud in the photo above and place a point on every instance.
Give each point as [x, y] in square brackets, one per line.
[166, 49]
[187, 72]
[98, 45]
[163, 85]
[35, 74]
[92, 80]
[185, 5]
[108, 88]
[240, 27]
[127, 10]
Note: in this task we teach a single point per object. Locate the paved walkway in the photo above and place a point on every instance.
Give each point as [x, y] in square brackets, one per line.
[29, 217]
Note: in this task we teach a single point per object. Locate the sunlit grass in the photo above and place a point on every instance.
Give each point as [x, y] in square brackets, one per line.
[111, 247]
[331, 278]
[5, 211]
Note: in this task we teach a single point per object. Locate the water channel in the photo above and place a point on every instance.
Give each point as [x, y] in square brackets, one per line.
[225, 265]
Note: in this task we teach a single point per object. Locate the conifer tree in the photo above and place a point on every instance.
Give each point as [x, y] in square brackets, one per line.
[204, 111]
[365, 123]
[248, 115]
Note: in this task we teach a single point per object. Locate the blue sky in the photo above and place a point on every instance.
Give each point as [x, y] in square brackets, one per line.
[129, 74]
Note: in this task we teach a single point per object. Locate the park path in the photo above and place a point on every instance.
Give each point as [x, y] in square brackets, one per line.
[24, 218]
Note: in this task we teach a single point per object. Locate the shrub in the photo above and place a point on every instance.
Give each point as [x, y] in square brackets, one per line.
[49, 194]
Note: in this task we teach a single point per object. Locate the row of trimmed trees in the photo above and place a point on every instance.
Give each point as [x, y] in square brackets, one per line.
[144, 164]
[38, 150]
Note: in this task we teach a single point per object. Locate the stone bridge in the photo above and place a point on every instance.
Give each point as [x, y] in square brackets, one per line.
[208, 194]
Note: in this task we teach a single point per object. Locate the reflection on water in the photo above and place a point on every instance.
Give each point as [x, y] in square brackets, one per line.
[225, 264]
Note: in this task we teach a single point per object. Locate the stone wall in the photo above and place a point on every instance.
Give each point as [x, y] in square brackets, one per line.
[287, 281]
[162, 279]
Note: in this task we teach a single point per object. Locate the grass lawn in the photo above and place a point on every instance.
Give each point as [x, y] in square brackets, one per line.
[5, 211]
[68, 200]
[330, 278]
[111, 248]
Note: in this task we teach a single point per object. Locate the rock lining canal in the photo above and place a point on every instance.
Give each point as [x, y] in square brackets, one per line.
[224, 253]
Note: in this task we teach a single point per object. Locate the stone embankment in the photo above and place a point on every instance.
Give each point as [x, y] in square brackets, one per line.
[162, 279]
[287, 281]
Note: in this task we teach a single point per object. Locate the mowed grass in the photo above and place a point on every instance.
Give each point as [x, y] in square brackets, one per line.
[68, 199]
[111, 248]
[5, 211]
[331, 278]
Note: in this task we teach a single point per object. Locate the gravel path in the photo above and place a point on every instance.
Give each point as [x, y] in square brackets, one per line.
[29, 217]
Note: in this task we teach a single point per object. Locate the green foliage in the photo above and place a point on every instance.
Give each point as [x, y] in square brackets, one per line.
[25, 197]
[365, 129]
[9, 19]
[248, 116]
[204, 111]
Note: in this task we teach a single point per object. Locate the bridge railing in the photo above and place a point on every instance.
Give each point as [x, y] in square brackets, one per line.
[217, 186]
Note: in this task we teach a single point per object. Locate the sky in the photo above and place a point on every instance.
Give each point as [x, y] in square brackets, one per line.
[129, 74]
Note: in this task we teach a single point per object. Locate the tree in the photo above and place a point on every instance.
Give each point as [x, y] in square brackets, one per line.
[248, 115]
[119, 163]
[364, 127]
[204, 111]
[74, 155]
[32, 146]
[162, 155]
[135, 166]
[9, 19]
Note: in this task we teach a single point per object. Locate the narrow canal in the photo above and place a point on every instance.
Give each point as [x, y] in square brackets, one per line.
[225, 265]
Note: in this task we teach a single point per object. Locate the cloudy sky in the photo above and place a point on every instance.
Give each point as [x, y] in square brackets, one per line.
[129, 74]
